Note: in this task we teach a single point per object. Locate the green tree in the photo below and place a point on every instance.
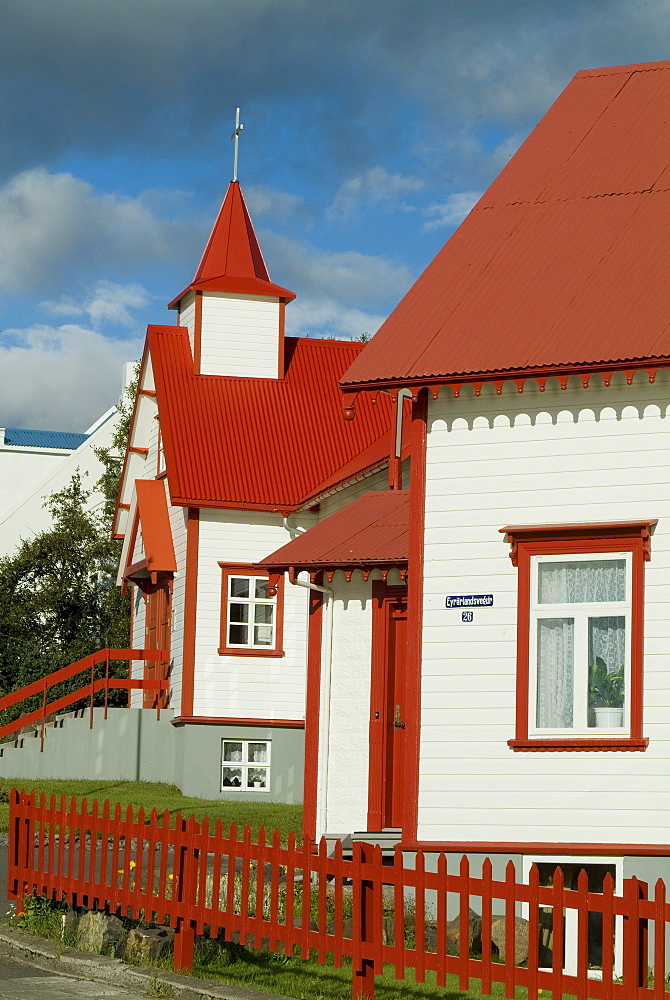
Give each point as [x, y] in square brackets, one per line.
[58, 595]
[111, 458]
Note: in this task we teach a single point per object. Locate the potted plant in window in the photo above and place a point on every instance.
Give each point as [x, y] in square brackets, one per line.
[606, 694]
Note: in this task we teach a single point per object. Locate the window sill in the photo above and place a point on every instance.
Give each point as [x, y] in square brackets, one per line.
[249, 652]
[577, 744]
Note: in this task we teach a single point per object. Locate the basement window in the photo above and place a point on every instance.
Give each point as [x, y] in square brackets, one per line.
[245, 765]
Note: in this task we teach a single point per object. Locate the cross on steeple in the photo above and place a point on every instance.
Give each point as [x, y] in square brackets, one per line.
[235, 137]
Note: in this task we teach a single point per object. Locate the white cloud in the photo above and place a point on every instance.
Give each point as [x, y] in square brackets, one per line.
[325, 318]
[372, 187]
[451, 211]
[56, 226]
[503, 153]
[270, 203]
[339, 295]
[108, 302]
[355, 279]
[60, 377]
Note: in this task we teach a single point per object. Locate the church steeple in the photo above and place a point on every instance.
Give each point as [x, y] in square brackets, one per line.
[234, 313]
[232, 261]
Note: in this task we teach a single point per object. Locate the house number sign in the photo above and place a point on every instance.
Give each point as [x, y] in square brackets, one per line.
[467, 602]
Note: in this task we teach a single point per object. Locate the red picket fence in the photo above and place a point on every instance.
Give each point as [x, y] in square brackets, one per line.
[301, 901]
[94, 684]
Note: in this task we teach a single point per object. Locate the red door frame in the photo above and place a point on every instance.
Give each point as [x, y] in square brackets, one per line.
[384, 796]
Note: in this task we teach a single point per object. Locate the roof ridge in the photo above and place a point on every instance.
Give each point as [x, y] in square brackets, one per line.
[581, 197]
[330, 342]
[655, 67]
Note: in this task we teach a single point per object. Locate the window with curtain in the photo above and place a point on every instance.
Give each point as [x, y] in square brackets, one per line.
[580, 640]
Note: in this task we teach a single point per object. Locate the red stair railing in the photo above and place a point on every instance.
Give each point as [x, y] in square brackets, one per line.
[87, 691]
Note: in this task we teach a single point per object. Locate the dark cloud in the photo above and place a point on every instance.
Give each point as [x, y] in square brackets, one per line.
[164, 76]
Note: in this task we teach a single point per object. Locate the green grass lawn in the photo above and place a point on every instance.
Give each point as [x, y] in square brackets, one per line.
[310, 981]
[142, 793]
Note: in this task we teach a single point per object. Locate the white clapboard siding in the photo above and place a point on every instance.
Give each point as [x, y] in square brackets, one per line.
[187, 314]
[247, 686]
[348, 740]
[152, 457]
[601, 454]
[240, 336]
[139, 618]
[137, 642]
[343, 497]
[178, 522]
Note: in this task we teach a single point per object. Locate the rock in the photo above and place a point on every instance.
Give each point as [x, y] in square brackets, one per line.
[144, 944]
[520, 938]
[99, 932]
[69, 922]
[474, 934]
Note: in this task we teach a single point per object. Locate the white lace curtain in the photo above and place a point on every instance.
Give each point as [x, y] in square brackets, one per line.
[578, 582]
[555, 672]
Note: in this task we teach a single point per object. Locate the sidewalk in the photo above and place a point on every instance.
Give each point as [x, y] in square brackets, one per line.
[24, 982]
[90, 976]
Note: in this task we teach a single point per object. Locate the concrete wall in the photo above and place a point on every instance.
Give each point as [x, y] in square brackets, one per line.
[132, 745]
[198, 762]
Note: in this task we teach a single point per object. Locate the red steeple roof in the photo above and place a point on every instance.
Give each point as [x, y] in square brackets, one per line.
[232, 261]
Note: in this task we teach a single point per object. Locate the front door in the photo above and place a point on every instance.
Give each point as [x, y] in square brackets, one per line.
[388, 723]
[157, 636]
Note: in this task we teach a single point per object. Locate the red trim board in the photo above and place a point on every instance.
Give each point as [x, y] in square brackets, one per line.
[213, 720]
[197, 332]
[489, 847]
[311, 780]
[417, 506]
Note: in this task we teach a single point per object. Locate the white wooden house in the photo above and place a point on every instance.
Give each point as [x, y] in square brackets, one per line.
[513, 700]
[237, 443]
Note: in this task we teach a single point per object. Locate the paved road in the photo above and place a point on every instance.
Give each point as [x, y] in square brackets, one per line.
[25, 982]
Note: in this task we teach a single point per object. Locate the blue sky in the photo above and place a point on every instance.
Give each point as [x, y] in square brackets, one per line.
[370, 128]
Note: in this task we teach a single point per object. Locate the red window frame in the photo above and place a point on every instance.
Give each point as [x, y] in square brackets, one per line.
[246, 569]
[572, 539]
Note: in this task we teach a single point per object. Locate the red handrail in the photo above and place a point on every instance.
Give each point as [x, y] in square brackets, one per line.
[87, 664]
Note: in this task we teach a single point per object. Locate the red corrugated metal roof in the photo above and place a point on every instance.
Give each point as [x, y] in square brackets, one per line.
[370, 531]
[564, 262]
[154, 519]
[265, 443]
[232, 261]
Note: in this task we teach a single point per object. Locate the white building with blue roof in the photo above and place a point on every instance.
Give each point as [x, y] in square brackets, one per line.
[34, 464]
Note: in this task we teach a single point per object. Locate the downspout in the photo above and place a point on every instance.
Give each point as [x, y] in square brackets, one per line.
[324, 701]
[293, 530]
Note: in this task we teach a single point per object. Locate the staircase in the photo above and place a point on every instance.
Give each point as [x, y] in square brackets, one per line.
[97, 669]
